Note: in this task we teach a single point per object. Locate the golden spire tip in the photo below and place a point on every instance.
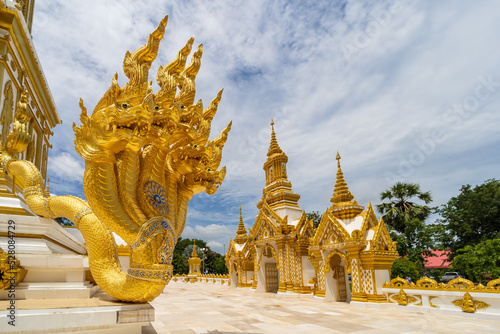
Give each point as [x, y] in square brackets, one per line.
[338, 155]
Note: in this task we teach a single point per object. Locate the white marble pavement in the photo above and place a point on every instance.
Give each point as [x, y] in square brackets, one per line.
[206, 308]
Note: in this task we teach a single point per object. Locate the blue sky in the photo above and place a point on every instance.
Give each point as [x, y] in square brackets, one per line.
[405, 90]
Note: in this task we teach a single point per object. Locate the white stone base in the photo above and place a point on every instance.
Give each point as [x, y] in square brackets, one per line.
[53, 276]
[286, 294]
[52, 290]
[39, 235]
[130, 318]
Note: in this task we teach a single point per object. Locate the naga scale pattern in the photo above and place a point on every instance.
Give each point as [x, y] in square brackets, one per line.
[146, 154]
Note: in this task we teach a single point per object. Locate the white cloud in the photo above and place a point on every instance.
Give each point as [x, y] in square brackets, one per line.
[376, 105]
[217, 236]
[65, 167]
[215, 245]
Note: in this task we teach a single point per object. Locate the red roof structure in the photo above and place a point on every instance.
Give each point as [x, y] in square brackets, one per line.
[439, 260]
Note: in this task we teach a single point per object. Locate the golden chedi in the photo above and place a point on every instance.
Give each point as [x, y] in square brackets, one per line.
[194, 265]
[146, 154]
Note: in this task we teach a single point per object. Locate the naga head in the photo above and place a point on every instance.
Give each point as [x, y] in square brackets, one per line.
[123, 117]
[199, 163]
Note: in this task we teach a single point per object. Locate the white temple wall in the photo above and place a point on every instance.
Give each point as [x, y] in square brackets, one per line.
[292, 213]
[307, 271]
[331, 292]
[381, 276]
[249, 274]
[234, 278]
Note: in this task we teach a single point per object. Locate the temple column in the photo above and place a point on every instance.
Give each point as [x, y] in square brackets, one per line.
[290, 265]
[358, 293]
[300, 251]
[255, 270]
[316, 259]
[281, 245]
[376, 267]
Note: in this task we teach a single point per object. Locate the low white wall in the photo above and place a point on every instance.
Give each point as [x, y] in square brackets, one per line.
[450, 297]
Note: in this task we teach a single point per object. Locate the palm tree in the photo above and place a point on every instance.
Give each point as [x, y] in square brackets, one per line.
[400, 209]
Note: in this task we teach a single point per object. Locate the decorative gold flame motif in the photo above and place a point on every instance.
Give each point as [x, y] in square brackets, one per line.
[145, 156]
[11, 272]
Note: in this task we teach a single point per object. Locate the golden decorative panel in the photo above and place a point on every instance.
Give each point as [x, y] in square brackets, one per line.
[366, 281]
[467, 304]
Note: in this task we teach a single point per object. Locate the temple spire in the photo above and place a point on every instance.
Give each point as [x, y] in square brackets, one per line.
[273, 147]
[341, 192]
[241, 232]
[194, 253]
[241, 226]
[278, 192]
[344, 205]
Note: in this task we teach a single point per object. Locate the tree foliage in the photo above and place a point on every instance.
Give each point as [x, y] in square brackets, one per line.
[214, 262]
[401, 208]
[405, 220]
[404, 267]
[417, 239]
[473, 216]
[315, 216]
[479, 261]
[64, 221]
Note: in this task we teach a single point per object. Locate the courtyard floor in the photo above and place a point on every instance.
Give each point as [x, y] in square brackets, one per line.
[206, 308]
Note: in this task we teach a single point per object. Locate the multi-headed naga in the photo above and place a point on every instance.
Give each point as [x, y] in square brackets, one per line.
[146, 154]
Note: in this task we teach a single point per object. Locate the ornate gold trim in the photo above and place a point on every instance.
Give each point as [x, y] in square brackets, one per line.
[430, 301]
[494, 284]
[345, 257]
[427, 282]
[458, 284]
[461, 283]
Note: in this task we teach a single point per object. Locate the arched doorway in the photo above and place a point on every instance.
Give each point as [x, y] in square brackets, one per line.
[337, 288]
[268, 274]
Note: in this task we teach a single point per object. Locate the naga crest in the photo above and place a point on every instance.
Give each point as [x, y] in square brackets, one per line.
[132, 120]
[146, 154]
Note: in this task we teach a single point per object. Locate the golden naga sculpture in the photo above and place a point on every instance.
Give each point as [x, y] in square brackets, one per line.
[11, 272]
[146, 154]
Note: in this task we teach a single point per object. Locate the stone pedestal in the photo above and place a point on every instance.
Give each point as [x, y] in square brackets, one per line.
[100, 314]
[56, 295]
[54, 257]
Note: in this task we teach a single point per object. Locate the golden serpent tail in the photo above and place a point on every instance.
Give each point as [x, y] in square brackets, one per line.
[103, 259]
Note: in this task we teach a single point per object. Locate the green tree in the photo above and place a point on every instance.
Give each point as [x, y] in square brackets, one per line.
[404, 267]
[478, 261]
[401, 207]
[220, 265]
[315, 216]
[471, 217]
[214, 262]
[416, 240]
[180, 264]
[64, 221]
[405, 220]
